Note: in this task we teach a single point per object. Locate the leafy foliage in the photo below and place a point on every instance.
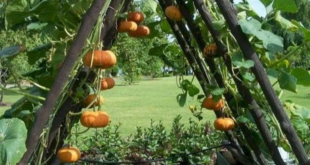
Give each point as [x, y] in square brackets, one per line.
[153, 142]
[13, 135]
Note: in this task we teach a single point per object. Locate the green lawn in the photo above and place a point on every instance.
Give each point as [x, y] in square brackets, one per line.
[136, 105]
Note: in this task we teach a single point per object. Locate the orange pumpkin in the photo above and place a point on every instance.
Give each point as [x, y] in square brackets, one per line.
[136, 16]
[99, 100]
[68, 154]
[96, 119]
[224, 124]
[210, 50]
[142, 31]
[127, 26]
[173, 13]
[100, 59]
[208, 103]
[107, 83]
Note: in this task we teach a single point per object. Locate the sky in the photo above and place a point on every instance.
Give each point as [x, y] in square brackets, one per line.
[257, 6]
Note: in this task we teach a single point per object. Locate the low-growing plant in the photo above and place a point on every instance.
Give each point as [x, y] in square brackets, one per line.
[153, 144]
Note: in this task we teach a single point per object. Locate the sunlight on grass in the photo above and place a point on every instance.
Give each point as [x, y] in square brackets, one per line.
[135, 105]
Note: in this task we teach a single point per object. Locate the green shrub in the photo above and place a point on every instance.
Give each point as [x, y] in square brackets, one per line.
[181, 144]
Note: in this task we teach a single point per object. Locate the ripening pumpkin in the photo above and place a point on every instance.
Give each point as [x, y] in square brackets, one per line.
[142, 31]
[107, 83]
[173, 13]
[103, 59]
[127, 26]
[99, 100]
[224, 124]
[208, 103]
[93, 119]
[210, 50]
[136, 17]
[68, 154]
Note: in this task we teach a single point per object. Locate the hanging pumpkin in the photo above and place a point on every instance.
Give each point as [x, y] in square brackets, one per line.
[93, 119]
[99, 100]
[142, 31]
[210, 50]
[209, 103]
[173, 13]
[68, 154]
[136, 16]
[107, 83]
[127, 26]
[100, 59]
[224, 124]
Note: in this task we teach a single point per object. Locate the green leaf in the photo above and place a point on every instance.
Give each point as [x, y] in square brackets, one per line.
[305, 31]
[300, 119]
[246, 64]
[272, 72]
[248, 76]
[219, 25]
[266, 2]
[181, 98]
[250, 26]
[165, 27]
[37, 53]
[16, 12]
[157, 51]
[284, 23]
[13, 134]
[243, 119]
[193, 90]
[287, 6]
[11, 51]
[151, 5]
[218, 91]
[270, 41]
[287, 81]
[185, 84]
[36, 26]
[303, 76]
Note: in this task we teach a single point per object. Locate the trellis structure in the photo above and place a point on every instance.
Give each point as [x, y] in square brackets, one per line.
[205, 75]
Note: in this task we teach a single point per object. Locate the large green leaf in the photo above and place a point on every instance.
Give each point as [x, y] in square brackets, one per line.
[10, 51]
[193, 90]
[303, 76]
[284, 23]
[13, 135]
[271, 42]
[300, 117]
[165, 27]
[250, 26]
[16, 12]
[151, 5]
[244, 64]
[286, 6]
[181, 98]
[287, 81]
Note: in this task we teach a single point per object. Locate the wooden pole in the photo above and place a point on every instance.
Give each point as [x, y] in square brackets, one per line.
[229, 12]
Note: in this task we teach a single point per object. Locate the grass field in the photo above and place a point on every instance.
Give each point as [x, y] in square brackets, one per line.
[136, 105]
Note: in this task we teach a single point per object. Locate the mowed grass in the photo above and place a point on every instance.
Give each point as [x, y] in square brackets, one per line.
[135, 105]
